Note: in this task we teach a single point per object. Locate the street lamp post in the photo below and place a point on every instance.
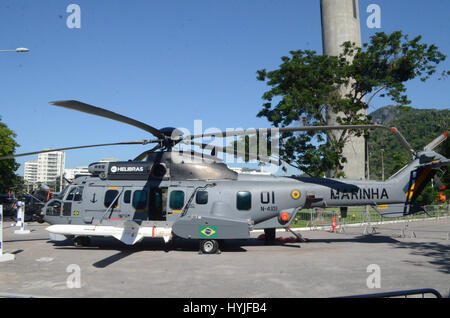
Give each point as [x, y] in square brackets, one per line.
[18, 50]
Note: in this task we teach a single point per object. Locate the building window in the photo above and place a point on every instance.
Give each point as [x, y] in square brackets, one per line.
[355, 14]
[176, 200]
[110, 195]
[244, 200]
[139, 199]
[201, 197]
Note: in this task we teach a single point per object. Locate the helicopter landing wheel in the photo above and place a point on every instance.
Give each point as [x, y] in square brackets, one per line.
[209, 246]
[170, 245]
[81, 241]
[40, 219]
[269, 236]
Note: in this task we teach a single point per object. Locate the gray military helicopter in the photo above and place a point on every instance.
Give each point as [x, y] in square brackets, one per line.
[193, 195]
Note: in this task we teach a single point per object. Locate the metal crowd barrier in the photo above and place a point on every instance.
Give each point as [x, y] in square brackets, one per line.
[401, 293]
[370, 221]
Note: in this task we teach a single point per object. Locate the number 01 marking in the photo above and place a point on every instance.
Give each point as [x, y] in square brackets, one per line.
[267, 196]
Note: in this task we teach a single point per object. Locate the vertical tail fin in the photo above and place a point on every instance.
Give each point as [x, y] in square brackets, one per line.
[414, 177]
[412, 180]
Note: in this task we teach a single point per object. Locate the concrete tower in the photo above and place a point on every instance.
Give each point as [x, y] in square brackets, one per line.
[340, 23]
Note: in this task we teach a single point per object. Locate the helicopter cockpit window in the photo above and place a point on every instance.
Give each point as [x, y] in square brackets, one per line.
[76, 194]
[53, 208]
[176, 200]
[201, 197]
[60, 195]
[139, 199]
[244, 200]
[110, 195]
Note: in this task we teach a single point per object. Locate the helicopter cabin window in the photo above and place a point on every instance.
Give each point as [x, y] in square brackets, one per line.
[110, 196]
[139, 199]
[127, 197]
[201, 197]
[76, 194]
[53, 208]
[244, 200]
[176, 200]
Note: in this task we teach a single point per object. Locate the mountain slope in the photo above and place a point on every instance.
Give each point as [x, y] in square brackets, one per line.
[419, 126]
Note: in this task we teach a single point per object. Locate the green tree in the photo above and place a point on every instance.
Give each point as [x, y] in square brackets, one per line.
[8, 178]
[306, 86]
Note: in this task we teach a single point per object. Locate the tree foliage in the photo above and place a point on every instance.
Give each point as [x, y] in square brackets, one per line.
[419, 126]
[8, 178]
[306, 86]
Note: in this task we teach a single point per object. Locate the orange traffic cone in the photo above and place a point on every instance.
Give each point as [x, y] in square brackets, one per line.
[334, 223]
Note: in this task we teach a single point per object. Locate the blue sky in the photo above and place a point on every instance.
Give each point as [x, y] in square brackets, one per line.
[168, 63]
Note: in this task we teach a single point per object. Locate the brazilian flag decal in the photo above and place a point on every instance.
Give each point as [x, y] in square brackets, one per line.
[208, 231]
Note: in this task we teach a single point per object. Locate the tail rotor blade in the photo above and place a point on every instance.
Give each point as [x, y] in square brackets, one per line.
[403, 141]
[438, 183]
[436, 142]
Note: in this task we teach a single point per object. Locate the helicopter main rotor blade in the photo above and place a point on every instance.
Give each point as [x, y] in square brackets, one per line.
[283, 129]
[231, 151]
[86, 108]
[145, 153]
[276, 160]
[224, 134]
[138, 142]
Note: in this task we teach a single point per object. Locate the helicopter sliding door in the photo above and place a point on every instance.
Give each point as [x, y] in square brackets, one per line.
[157, 204]
[149, 204]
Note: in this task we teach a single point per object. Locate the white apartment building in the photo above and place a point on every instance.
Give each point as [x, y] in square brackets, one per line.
[47, 168]
[50, 165]
[31, 171]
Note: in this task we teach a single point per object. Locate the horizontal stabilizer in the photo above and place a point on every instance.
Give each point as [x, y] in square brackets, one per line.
[436, 164]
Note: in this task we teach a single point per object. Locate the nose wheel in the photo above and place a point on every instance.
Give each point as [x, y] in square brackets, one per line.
[209, 247]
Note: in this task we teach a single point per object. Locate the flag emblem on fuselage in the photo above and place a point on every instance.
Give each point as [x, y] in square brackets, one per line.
[208, 231]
